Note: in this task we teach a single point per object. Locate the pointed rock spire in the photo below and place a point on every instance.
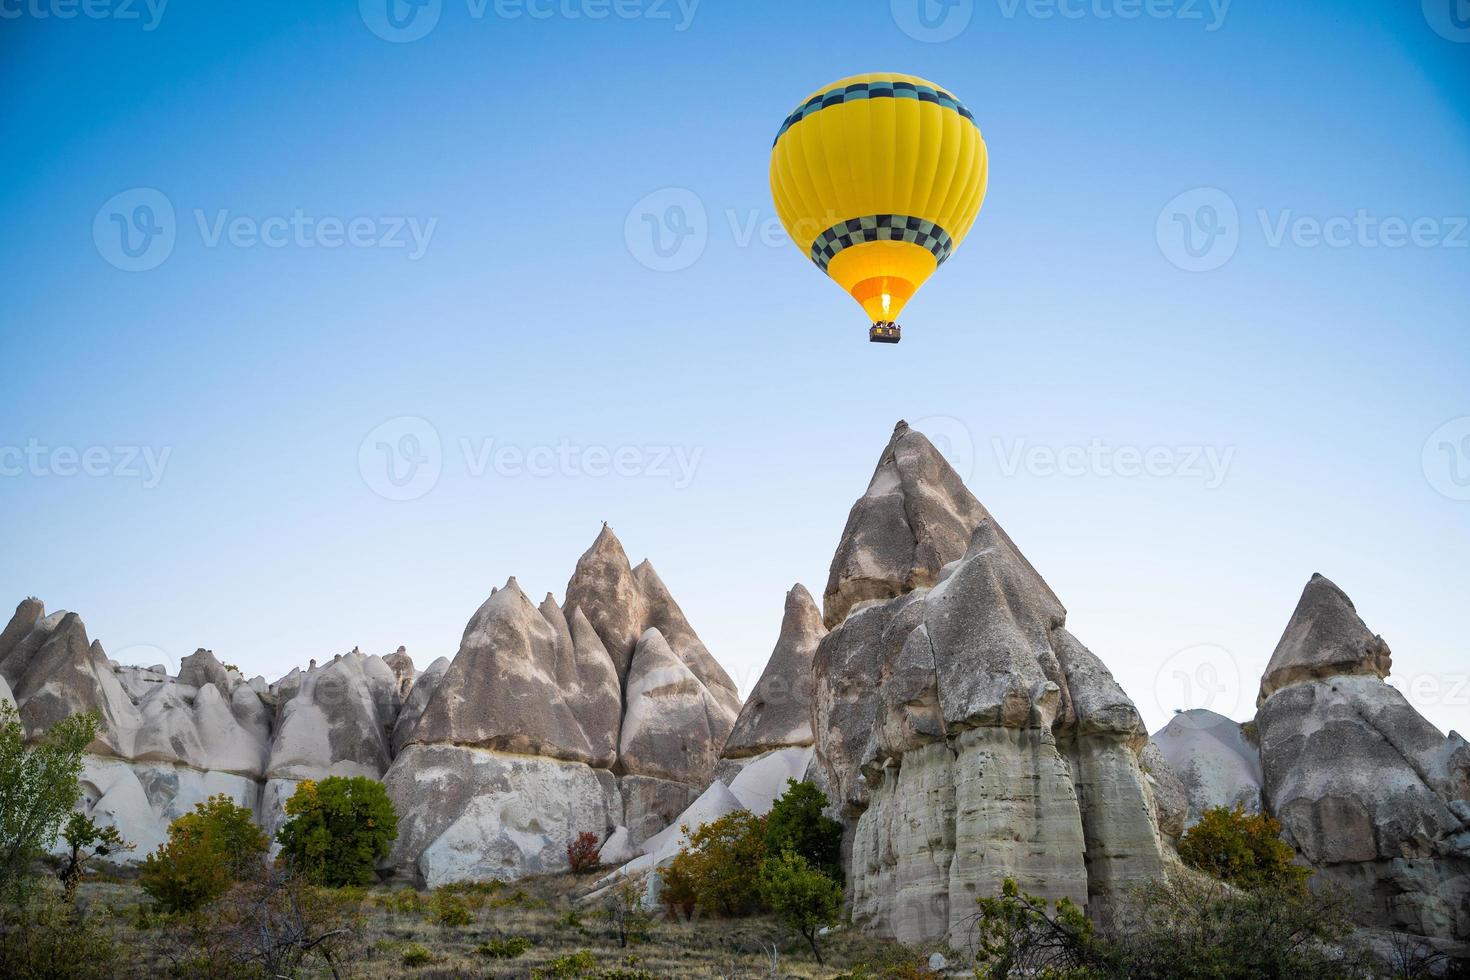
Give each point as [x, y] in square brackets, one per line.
[1325, 638]
[915, 517]
[778, 712]
[603, 587]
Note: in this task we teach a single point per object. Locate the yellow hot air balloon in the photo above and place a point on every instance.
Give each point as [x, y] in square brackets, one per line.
[878, 178]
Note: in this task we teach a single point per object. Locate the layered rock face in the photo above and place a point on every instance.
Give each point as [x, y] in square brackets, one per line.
[543, 726]
[604, 714]
[163, 744]
[1369, 792]
[964, 735]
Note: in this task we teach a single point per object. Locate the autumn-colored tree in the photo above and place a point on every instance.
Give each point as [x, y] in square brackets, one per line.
[207, 850]
[1243, 849]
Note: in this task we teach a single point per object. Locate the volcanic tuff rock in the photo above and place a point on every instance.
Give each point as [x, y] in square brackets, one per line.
[558, 699]
[622, 603]
[496, 759]
[1324, 639]
[1372, 794]
[777, 714]
[964, 734]
[1213, 759]
[915, 518]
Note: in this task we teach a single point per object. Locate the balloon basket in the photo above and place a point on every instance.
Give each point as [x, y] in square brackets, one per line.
[885, 332]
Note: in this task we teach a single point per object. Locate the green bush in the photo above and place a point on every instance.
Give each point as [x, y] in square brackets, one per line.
[416, 954]
[798, 824]
[38, 788]
[801, 896]
[449, 909]
[504, 949]
[47, 938]
[339, 829]
[1244, 849]
[568, 967]
[1188, 928]
[207, 850]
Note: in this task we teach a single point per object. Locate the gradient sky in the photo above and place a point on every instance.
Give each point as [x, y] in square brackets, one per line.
[536, 154]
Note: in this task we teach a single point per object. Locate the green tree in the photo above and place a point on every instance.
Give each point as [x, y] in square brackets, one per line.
[1244, 849]
[85, 842]
[801, 896]
[208, 849]
[1020, 935]
[724, 863]
[38, 788]
[340, 828]
[797, 823]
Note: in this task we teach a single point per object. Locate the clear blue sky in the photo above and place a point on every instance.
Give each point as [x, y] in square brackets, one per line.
[535, 314]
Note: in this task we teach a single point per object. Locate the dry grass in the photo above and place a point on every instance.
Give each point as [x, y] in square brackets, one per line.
[406, 933]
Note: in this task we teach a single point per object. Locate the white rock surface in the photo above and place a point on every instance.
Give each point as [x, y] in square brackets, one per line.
[468, 814]
[765, 778]
[1214, 761]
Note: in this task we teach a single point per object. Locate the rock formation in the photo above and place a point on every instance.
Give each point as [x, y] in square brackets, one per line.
[778, 715]
[1214, 760]
[964, 735]
[1369, 792]
[603, 714]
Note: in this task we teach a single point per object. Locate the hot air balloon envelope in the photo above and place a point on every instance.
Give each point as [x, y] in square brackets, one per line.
[878, 179]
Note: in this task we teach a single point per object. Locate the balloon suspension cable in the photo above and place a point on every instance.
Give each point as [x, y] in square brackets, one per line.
[885, 332]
